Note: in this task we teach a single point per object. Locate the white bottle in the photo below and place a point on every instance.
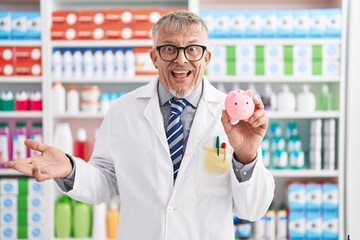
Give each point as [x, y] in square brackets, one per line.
[98, 63]
[78, 63]
[286, 100]
[306, 100]
[56, 59]
[104, 102]
[63, 137]
[99, 222]
[72, 99]
[269, 98]
[58, 98]
[255, 92]
[119, 61]
[67, 61]
[129, 63]
[88, 63]
[109, 63]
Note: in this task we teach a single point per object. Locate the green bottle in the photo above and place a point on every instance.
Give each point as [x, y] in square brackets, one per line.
[324, 99]
[82, 220]
[63, 217]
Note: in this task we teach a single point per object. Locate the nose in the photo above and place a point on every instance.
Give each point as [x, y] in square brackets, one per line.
[181, 57]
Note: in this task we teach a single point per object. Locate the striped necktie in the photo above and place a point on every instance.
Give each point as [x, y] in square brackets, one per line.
[175, 133]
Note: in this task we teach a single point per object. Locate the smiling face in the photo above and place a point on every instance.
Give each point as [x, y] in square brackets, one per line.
[180, 76]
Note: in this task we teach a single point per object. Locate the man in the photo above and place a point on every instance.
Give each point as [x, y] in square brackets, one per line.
[159, 149]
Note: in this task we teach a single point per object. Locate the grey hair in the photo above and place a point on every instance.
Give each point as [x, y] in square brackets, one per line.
[175, 22]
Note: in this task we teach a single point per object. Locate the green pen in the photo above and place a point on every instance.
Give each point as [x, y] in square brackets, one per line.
[218, 145]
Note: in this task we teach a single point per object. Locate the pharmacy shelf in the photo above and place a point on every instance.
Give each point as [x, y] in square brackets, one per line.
[302, 115]
[21, 114]
[305, 173]
[9, 172]
[79, 115]
[120, 1]
[125, 80]
[274, 79]
[20, 43]
[275, 41]
[21, 79]
[101, 43]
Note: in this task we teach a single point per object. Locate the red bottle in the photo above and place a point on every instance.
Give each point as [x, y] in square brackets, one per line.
[82, 147]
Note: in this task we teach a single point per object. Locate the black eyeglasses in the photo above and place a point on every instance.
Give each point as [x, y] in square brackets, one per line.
[169, 53]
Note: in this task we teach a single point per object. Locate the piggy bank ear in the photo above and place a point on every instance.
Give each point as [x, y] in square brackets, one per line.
[232, 94]
[249, 93]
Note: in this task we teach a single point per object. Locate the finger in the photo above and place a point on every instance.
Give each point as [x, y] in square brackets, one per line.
[23, 166]
[39, 174]
[257, 114]
[35, 145]
[258, 103]
[260, 122]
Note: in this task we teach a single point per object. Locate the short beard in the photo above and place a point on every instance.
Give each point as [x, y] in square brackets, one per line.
[182, 93]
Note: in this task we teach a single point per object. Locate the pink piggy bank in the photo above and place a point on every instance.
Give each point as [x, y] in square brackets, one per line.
[239, 105]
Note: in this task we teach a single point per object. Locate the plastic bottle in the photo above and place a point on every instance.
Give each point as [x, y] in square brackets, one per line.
[35, 103]
[281, 223]
[286, 100]
[82, 147]
[63, 137]
[99, 222]
[253, 89]
[67, 61]
[88, 60]
[104, 102]
[7, 101]
[19, 136]
[58, 98]
[78, 63]
[119, 61]
[63, 217]
[129, 62]
[21, 101]
[98, 63]
[36, 133]
[5, 142]
[113, 218]
[57, 67]
[324, 99]
[109, 63]
[72, 99]
[82, 220]
[306, 100]
[269, 98]
[270, 223]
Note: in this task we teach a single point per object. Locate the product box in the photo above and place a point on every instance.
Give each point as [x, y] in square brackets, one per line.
[245, 67]
[296, 196]
[330, 224]
[253, 24]
[142, 31]
[274, 67]
[217, 67]
[317, 23]
[28, 61]
[8, 217]
[302, 68]
[209, 18]
[35, 232]
[89, 32]
[222, 24]
[118, 31]
[302, 52]
[33, 26]
[35, 187]
[314, 196]
[90, 17]
[269, 24]
[18, 25]
[143, 63]
[151, 15]
[63, 32]
[8, 232]
[297, 225]
[330, 196]
[119, 15]
[245, 52]
[274, 52]
[237, 24]
[285, 24]
[301, 24]
[8, 203]
[9, 186]
[314, 225]
[64, 18]
[35, 217]
[331, 68]
[5, 25]
[333, 23]
[218, 51]
[331, 51]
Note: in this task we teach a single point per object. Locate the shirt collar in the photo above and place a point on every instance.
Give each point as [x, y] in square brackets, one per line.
[193, 98]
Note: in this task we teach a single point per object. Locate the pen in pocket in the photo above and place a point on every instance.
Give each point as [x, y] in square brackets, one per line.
[223, 146]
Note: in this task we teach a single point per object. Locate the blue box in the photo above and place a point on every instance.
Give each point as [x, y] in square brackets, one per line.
[301, 24]
[222, 24]
[314, 225]
[314, 198]
[330, 225]
[34, 26]
[269, 24]
[253, 24]
[209, 19]
[237, 24]
[318, 23]
[330, 196]
[296, 196]
[5, 25]
[333, 23]
[285, 24]
[19, 25]
[297, 225]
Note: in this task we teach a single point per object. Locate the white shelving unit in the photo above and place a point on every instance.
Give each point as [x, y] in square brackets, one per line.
[92, 121]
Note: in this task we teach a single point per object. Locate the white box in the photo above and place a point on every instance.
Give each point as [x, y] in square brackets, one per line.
[9, 186]
[35, 202]
[209, 19]
[36, 217]
[8, 232]
[222, 25]
[253, 24]
[8, 203]
[8, 217]
[19, 25]
[314, 196]
[35, 232]
[237, 24]
[330, 225]
[269, 24]
[245, 68]
[301, 24]
[274, 68]
[330, 196]
[285, 24]
[33, 26]
[302, 68]
[333, 23]
[217, 67]
[314, 225]
[274, 52]
[317, 23]
[331, 51]
[35, 187]
[5, 25]
[331, 67]
[245, 52]
[297, 225]
[296, 196]
[302, 52]
[218, 52]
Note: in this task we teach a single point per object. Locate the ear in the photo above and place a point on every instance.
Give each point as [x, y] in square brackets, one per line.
[154, 57]
[207, 58]
[249, 93]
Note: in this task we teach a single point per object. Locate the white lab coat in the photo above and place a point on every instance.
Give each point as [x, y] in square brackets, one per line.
[131, 157]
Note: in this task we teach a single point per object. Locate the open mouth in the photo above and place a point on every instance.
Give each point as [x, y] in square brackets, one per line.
[181, 74]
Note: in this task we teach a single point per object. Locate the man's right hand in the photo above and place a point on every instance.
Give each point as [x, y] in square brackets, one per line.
[50, 163]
